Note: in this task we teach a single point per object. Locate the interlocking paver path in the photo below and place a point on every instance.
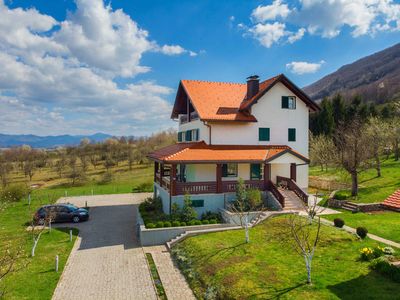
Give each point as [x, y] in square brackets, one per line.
[107, 261]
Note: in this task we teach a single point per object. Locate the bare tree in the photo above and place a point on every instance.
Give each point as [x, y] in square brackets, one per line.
[244, 206]
[303, 237]
[5, 169]
[322, 151]
[354, 147]
[29, 169]
[378, 132]
[9, 263]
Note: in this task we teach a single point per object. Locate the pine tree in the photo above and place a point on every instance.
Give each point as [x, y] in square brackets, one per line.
[325, 119]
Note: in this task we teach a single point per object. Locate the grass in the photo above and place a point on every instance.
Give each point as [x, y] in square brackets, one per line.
[267, 268]
[371, 188]
[156, 277]
[385, 224]
[38, 280]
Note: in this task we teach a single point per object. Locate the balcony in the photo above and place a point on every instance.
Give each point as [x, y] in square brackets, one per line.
[184, 118]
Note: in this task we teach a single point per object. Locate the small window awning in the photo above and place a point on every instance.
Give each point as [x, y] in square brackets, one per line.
[200, 152]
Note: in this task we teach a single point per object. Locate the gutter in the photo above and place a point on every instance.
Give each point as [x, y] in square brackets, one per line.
[209, 132]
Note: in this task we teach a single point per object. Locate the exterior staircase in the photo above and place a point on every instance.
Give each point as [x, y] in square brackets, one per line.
[350, 207]
[292, 201]
[393, 201]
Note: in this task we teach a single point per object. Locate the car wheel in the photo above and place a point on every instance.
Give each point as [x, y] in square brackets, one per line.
[75, 219]
[41, 221]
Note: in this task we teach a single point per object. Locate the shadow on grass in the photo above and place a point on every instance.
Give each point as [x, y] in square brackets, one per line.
[277, 293]
[223, 251]
[370, 286]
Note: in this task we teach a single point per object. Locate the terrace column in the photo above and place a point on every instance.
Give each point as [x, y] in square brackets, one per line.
[162, 171]
[156, 168]
[293, 174]
[172, 180]
[267, 174]
[219, 178]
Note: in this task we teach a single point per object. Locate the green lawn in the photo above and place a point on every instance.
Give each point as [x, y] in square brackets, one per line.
[372, 188]
[267, 268]
[385, 224]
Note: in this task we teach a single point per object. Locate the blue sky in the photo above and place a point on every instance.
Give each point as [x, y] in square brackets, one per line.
[70, 73]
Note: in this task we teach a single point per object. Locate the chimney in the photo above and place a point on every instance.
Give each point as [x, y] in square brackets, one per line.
[253, 86]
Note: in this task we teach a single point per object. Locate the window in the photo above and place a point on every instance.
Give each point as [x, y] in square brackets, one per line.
[188, 136]
[289, 102]
[197, 203]
[292, 134]
[263, 134]
[180, 136]
[229, 170]
[195, 134]
[255, 171]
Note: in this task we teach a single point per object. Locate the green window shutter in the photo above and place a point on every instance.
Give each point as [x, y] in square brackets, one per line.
[292, 134]
[285, 102]
[255, 171]
[179, 136]
[197, 134]
[263, 134]
[224, 170]
[197, 203]
[188, 136]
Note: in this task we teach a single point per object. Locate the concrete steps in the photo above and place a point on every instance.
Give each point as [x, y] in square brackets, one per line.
[350, 207]
[292, 201]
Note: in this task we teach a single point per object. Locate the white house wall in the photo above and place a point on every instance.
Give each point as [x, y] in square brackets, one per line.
[196, 124]
[269, 113]
[208, 172]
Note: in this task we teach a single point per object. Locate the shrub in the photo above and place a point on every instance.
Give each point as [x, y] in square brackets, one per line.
[362, 232]
[175, 223]
[160, 224]
[205, 222]
[382, 266]
[254, 198]
[197, 222]
[15, 192]
[366, 254]
[338, 222]
[151, 204]
[208, 215]
[150, 225]
[192, 222]
[183, 223]
[341, 195]
[213, 221]
[388, 251]
[107, 177]
[187, 213]
[167, 224]
[378, 252]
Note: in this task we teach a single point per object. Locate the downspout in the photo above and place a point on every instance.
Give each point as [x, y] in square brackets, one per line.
[209, 132]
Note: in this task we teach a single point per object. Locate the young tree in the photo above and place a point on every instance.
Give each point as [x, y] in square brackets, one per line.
[5, 169]
[303, 237]
[377, 130]
[10, 258]
[354, 149]
[188, 213]
[322, 151]
[29, 169]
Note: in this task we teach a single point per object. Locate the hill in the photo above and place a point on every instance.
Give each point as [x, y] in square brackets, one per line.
[11, 140]
[376, 78]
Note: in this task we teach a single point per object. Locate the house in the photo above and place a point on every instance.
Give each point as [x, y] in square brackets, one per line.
[257, 131]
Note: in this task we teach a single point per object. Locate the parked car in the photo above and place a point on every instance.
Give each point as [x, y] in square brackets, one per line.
[61, 213]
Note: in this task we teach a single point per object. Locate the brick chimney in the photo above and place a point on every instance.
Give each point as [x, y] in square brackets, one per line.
[253, 86]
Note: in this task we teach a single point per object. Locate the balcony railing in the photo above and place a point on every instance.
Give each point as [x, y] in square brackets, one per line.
[184, 118]
[291, 185]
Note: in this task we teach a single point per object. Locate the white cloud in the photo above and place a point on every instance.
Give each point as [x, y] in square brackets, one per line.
[58, 79]
[269, 33]
[302, 67]
[270, 12]
[326, 18]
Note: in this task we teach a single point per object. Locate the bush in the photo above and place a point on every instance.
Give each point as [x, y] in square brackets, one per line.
[366, 254]
[107, 177]
[192, 222]
[342, 195]
[183, 224]
[205, 222]
[197, 222]
[378, 252]
[160, 224]
[208, 215]
[151, 204]
[15, 192]
[188, 212]
[362, 232]
[338, 222]
[388, 251]
[254, 198]
[175, 223]
[150, 225]
[213, 221]
[167, 224]
[382, 266]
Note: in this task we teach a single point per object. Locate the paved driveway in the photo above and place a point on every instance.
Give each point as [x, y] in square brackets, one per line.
[107, 261]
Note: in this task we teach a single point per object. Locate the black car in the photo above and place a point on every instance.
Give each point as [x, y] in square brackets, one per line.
[61, 213]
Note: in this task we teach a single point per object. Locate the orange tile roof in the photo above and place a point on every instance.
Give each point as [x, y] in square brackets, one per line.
[200, 152]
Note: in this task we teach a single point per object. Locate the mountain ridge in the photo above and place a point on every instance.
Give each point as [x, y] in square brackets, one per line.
[376, 78]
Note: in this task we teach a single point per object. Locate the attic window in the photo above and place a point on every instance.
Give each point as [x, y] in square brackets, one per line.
[289, 102]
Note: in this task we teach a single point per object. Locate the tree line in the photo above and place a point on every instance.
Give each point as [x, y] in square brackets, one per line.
[73, 162]
[354, 135]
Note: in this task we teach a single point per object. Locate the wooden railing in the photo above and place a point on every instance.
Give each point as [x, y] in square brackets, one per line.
[230, 186]
[183, 188]
[291, 185]
[277, 194]
[158, 178]
[165, 183]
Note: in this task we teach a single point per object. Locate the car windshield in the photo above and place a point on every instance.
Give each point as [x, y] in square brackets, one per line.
[72, 207]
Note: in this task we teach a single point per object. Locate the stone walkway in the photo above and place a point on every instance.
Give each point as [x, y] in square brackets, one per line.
[371, 236]
[107, 261]
[174, 282]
